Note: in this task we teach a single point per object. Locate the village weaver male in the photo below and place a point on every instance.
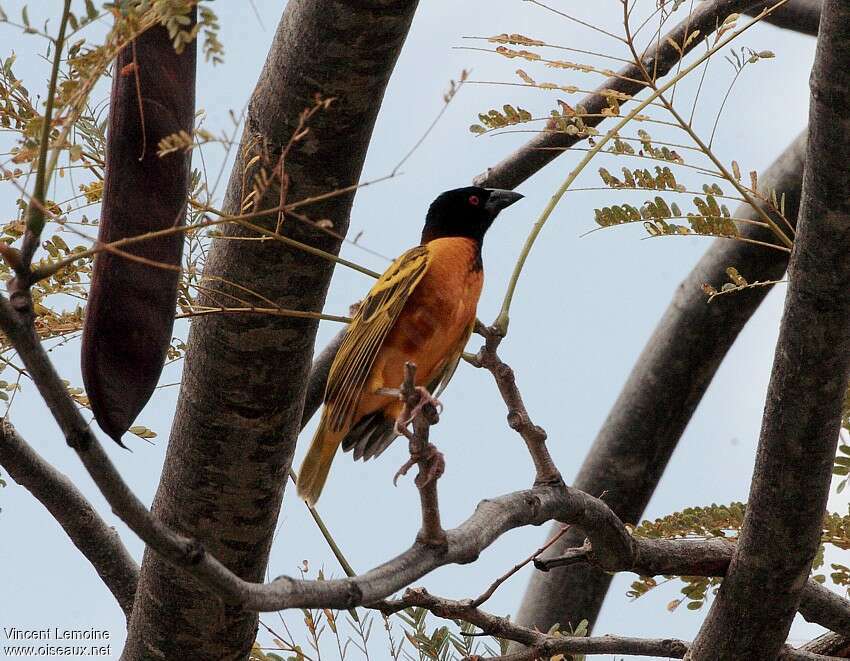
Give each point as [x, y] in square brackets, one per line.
[421, 310]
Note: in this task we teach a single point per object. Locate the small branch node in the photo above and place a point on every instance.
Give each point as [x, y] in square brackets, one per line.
[195, 552]
[422, 410]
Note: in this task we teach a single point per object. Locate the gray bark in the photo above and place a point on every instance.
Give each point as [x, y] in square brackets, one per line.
[635, 443]
[758, 598]
[244, 379]
[831, 643]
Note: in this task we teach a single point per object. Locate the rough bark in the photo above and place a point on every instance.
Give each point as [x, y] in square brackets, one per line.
[756, 603]
[636, 441]
[830, 643]
[244, 379]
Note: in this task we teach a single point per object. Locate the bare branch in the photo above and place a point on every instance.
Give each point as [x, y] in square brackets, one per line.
[811, 369]
[699, 557]
[490, 591]
[98, 542]
[420, 408]
[539, 645]
[518, 419]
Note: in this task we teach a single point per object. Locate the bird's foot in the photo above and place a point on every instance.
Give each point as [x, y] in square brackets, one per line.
[426, 402]
[425, 399]
[434, 466]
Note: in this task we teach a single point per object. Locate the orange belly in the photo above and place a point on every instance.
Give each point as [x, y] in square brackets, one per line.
[429, 329]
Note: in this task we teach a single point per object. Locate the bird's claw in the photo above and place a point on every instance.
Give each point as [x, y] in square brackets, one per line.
[424, 399]
[406, 466]
[435, 466]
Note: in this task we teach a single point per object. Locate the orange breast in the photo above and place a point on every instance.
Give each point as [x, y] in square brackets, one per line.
[434, 320]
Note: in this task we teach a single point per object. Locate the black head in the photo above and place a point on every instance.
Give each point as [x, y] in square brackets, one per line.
[466, 212]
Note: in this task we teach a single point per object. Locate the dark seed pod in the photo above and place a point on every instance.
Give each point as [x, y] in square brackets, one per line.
[130, 313]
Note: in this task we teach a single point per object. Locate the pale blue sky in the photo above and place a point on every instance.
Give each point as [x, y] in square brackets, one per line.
[583, 311]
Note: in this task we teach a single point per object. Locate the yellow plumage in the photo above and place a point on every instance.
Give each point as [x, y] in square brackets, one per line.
[421, 309]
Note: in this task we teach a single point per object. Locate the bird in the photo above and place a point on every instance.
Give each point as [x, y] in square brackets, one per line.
[421, 310]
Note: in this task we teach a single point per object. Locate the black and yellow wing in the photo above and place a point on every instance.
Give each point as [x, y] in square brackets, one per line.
[373, 434]
[367, 332]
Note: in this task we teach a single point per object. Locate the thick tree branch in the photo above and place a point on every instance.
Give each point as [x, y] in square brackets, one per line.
[831, 644]
[637, 439]
[811, 369]
[98, 542]
[697, 557]
[245, 379]
[797, 15]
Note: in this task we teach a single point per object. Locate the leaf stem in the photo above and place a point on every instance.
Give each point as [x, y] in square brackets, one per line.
[503, 319]
[35, 210]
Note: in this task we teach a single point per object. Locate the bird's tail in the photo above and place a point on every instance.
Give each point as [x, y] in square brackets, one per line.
[317, 464]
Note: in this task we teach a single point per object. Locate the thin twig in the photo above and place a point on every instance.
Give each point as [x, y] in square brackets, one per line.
[518, 419]
[484, 596]
[35, 210]
[502, 320]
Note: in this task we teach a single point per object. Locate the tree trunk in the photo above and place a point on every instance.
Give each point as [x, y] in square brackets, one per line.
[244, 379]
[753, 611]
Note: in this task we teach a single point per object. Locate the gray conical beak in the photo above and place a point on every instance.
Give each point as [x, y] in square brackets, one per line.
[500, 199]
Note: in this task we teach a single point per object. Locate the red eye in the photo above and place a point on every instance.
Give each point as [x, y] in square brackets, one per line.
[473, 200]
